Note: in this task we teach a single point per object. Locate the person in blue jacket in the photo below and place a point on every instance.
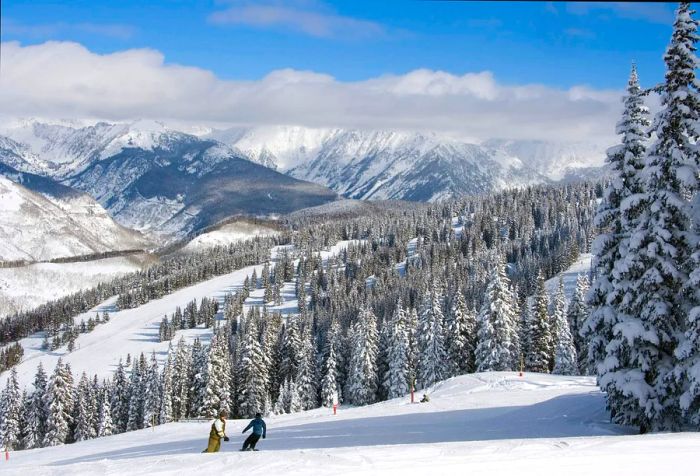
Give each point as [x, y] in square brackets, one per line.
[259, 429]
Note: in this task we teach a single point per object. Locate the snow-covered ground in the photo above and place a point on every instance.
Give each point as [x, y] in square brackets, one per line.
[136, 330]
[582, 267]
[26, 287]
[481, 424]
[228, 234]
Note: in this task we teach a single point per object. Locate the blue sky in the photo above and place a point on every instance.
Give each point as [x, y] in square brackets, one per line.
[554, 44]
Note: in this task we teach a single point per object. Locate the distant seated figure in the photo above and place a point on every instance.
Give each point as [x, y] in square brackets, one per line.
[425, 398]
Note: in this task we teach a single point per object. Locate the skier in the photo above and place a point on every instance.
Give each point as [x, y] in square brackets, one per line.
[259, 429]
[217, 433]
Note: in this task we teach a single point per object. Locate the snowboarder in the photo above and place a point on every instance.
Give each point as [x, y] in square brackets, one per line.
[259, 429]
[425, 398]
[217, 433]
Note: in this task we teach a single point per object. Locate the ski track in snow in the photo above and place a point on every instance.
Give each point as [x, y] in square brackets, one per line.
[480, 424]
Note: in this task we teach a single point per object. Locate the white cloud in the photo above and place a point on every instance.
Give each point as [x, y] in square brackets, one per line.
[63, 79]
[49, 30]
[310, 19]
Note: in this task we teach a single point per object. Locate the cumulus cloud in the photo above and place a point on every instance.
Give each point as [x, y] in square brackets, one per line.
[66, 80]
[310, 19]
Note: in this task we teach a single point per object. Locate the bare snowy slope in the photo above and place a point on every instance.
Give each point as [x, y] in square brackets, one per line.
[481, 424]
[35, 226]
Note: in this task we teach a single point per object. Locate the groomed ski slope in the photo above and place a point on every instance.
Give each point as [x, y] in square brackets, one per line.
[482, 424]
[132, 331]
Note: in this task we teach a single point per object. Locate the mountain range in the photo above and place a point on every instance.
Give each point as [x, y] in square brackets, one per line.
[167, 184]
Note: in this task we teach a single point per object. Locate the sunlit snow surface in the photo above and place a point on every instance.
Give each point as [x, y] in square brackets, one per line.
[482, 424]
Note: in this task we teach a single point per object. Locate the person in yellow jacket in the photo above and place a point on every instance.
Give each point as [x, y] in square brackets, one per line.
[217, 433]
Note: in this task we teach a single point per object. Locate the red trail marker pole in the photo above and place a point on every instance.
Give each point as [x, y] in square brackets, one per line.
[7, 454]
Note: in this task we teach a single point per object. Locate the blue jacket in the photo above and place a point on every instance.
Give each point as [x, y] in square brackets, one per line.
[258, 425]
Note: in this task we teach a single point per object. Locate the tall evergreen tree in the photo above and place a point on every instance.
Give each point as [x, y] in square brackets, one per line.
[653, 275]
[307, 377]
[397, 377]
[576, 315]
[36, 412]
[497, 324]
[677, 130]
[626, 186]
[85, 411]
[432, 363]
[59, 402]
[10, 412]
[250, 372]
[565, 359]
[217, 392]
[152, 393]
[540, 337]
[136, 394]
[363, 379]
[105, 426]
[461, 336]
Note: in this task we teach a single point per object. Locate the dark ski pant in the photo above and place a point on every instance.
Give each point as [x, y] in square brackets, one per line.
[251, 441]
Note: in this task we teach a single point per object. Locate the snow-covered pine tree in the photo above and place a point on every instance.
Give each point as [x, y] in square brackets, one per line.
[198, 378]
[24, 419]
[526, 319]
[397, 377]
[413, 351]
[251, 391]
[166, 384]
[136, 394]
[281, 406]
[383, 356]
[217, 393]
[461, 336]
[85, 406]
[180, 380]
[291, 351]
[681, 108]
[626, 161]
[105, 426]
[432, 363]
[120, 399]
[152, 393]
[330, 388]
[363, 379]
[565, 359]
[576, 315]
[653, 274]
[59, 402]
[294, 398]
[10, 412]
[497, 323]
[307, 375]
[540, 337]
[36, 412]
